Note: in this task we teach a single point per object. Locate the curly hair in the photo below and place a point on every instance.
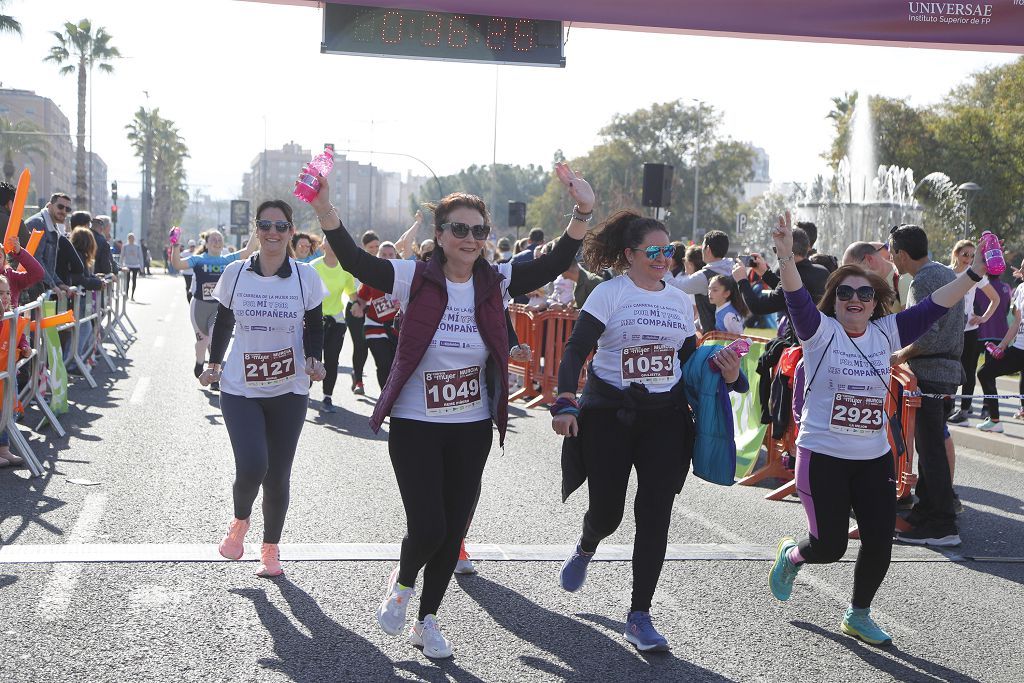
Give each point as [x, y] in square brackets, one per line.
[605, 246]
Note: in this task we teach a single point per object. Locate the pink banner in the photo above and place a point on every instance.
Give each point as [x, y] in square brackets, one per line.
[995, 25]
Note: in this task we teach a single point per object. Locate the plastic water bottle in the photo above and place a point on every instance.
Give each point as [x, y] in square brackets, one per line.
[175, 235]
[309, 184]
[994, 350]
[993, 253]
[741, 346]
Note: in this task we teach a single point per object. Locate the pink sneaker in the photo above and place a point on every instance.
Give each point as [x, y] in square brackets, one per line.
[233, 545]
[271, 561]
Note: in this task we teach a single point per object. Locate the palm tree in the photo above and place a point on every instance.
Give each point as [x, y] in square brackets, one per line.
[140, 135]
[162, 152]
[18, 138]
[78, 49]
[9, 24]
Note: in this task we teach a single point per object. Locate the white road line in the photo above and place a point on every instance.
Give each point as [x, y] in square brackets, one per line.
[56, 596]
[158, 343]
[992, 460]
[139, 392]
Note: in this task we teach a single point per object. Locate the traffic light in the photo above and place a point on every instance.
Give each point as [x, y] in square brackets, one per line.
[113, 192]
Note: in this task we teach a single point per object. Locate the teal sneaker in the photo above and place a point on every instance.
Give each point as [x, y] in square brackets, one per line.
[859, 624]
[989, 426]
[783, 572]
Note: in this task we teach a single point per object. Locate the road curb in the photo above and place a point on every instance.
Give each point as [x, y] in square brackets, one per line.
[995, 444]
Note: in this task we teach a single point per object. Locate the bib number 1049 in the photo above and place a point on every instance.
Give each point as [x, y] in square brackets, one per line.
[452, 391]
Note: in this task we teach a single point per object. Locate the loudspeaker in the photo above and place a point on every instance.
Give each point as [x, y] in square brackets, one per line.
[516, 214]
[657, 185]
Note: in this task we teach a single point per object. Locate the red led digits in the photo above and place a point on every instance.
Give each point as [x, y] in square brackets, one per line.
[391, 29]
[496, 29]
[523, 35]
[458, 36]
[430, 36]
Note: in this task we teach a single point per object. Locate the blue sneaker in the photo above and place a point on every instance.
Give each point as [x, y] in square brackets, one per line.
[641, 632]
[859, 624]
[574, 570]
[783, 573]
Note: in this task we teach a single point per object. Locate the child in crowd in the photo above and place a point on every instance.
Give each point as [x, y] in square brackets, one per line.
[730, 309]
[23, 351]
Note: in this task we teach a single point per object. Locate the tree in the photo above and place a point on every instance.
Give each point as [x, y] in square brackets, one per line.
[9, 24]
[77, 51]
[162, 151]
[18, 138]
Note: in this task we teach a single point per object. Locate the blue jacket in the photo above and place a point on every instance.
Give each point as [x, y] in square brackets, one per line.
[714, 453]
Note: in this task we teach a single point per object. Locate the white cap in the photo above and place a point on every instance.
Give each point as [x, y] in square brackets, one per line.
[191, 243]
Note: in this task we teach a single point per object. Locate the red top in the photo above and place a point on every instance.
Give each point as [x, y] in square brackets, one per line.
[380, 307]
[19, 281]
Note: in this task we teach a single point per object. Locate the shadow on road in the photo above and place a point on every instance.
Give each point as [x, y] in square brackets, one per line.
[6, 580]
[902, 666]
[580, 651]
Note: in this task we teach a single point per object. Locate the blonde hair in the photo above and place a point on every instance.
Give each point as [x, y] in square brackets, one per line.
[957, 248]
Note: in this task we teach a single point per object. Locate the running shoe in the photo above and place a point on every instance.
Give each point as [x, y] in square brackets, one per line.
[989, 426]
[197, 370]
[427, 635]
[215, 386]
[9, 458]
[783, 572]
[957, 417]
[357, 388]
[958, 507]
[939, 536]
[859, 624]
[574, 570]
[641, 632]
[270, 564]
[233, 545]
[464, 565]
[1019, 415]
[328, 405]
[391, 613]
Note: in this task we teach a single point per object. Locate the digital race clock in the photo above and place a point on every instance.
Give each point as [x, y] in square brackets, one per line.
[415, 34]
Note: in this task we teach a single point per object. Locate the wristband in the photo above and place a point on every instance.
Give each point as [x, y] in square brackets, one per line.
[569, 410]
[563, 402]
[971, 274]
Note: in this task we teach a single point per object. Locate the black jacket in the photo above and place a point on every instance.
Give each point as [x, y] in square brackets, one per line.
[814, 278]
[104, 262]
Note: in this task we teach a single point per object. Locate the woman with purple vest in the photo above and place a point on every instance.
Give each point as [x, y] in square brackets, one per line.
[843, 458]
[448, 382]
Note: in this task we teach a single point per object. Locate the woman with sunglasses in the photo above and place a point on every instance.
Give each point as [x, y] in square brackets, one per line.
[632, 413]
[448, 382]
[843, 457]
[278, 343]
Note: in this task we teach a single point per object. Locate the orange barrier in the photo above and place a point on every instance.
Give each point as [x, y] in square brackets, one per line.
[18, 208]
[64, 318]
[523, 323]
[547, 333]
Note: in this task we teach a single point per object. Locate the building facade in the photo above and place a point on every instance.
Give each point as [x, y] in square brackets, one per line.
[52, 171]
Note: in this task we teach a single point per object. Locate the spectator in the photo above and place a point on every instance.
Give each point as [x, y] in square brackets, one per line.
[7, 194]
[51, 221]
[104, 262]
[730, 311]
[505, 250]
[693, 261]
[812, 275]
[70, 268]
[131, 258]
[935, 360]
[84, 242]
[426, 250]
[714, 248]
[521, 245]
[584, 280]
[535, 240]
[145, 258]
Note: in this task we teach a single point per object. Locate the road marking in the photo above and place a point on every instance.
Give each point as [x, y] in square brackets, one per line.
[56, 596]
[158, 343]
[139, 392]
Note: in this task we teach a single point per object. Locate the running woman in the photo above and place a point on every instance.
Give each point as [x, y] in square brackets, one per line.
[207, 269]
[1009, 362]
[273, 304]
[633, 413]
[354, 318]
[379, 321]
[843, 457]
[131, 258]
[340, 284]
[306, 246]
[448, 382]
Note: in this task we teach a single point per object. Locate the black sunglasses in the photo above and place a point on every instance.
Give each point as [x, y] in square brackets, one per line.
[280, 226]
[846, 292]
[460, 230]
[63, 207]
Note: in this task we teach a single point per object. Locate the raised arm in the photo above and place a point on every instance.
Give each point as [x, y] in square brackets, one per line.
[806, 318]
[405, 242]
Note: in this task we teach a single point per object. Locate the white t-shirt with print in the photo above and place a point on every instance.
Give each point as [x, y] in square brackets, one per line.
[643, 332]
[1018, 303]
[969, 307]
[266, 357]
[449, 383]
[844, 408]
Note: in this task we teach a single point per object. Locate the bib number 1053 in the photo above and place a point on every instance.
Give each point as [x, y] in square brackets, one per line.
[452, 391]
[648, 364]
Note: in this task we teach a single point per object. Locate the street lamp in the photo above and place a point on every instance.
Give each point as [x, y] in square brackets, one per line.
[969, 190]
[696, 171]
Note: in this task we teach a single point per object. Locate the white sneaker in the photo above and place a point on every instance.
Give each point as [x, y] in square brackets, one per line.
[427, 635]
[465, 567]
[391, 613]
[989, 426]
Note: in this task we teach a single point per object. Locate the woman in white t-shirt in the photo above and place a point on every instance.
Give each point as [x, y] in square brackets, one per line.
[272, 303]
[960, 260]
[633, 412]
[843, 457]
[448, 381]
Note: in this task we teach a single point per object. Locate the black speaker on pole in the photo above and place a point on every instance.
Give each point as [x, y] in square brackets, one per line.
[516, 214]
[657, 185]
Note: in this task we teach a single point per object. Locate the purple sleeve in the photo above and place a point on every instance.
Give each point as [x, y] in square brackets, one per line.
[913, 322]
[803, 314]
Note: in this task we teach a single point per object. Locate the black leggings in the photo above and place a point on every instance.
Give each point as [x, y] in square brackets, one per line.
[334, 340]
[969, 359]
[133, 278]
[654, 445]
[829, 487]
[359, 348]
[264, 433]
[438, 467]
[1011, 362]
[188, 287]
[383, 350]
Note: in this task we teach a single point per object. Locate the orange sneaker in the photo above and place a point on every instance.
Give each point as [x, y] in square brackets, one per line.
[270, 564]
[233, 545]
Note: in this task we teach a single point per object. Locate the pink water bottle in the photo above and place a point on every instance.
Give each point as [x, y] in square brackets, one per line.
[741, 346]
[993, 253]
[175, 234]
[309, 185]
[994, 350]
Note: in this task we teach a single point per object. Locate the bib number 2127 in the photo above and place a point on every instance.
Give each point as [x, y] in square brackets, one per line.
[267, 369]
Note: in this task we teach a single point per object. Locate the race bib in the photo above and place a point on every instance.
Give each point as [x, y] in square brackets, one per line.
[853, 414]
[268, 369]
[452, 391]
[648, 364]
[208, 288]
[384, 306]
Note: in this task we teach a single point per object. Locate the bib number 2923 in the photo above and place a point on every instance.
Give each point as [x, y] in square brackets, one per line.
[452, 391]
[853, 414]
[267, 369]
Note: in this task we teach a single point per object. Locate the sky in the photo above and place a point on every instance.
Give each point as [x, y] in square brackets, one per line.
[237, 75]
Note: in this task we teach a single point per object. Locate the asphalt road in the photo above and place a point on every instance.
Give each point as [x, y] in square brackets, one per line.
[154, 445]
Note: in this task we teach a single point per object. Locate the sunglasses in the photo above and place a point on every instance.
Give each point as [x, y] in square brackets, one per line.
[653, 251]
[62, 207]
[846, 292]
[265, 225]
[460, 230]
